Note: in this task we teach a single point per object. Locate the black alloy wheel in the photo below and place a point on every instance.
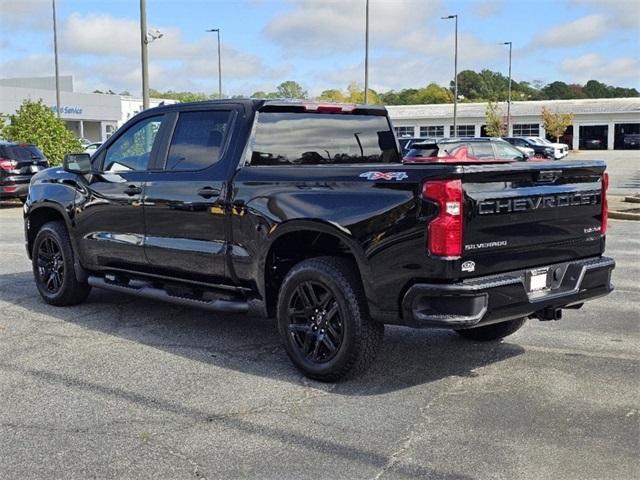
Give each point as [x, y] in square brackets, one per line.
[323, 319]
[51, 268]
[315, 322]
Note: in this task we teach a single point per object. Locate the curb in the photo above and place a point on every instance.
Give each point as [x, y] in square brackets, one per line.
[623, 215]
[632, 199]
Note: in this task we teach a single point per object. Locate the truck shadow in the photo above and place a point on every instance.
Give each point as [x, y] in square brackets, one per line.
[251, 345]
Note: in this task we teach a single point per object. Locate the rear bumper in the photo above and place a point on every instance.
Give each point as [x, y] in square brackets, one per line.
[497, 298]
[9, 189]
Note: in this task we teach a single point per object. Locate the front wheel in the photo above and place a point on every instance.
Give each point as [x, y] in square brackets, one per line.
[323, 319]
[494, 331]
[53, 271]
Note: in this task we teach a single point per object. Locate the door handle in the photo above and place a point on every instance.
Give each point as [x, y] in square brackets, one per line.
[132, 190]
[208, 192]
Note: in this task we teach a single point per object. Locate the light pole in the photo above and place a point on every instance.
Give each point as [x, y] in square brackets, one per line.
[55, 55]
[366, 54]
[217, 30]
[143, 46]
[509, 101]
[145, 39]
[455, 75]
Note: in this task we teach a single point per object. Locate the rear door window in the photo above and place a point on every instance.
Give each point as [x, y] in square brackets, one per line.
[482, 150]
[290, 138]
[198, 139]
[504, 151]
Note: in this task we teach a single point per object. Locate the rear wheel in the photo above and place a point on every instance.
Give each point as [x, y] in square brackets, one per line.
[323, 319]
[495, 331]
[52, 260]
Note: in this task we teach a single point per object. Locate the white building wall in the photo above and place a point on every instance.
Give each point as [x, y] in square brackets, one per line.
[131, 106]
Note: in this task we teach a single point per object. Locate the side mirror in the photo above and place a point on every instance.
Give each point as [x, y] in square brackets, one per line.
[77, 163]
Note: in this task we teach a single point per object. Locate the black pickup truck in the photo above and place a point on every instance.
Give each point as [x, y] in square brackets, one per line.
[306, 213]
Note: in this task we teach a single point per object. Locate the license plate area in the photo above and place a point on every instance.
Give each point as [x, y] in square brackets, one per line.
[34, 169]
[537, 279]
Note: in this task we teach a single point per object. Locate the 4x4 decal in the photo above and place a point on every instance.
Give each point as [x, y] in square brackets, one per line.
[384, 175]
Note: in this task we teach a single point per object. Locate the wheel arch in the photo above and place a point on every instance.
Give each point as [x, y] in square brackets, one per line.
[294, 241]
[38, 215]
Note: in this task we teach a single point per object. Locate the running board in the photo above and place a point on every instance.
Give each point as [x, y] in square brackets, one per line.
[219, 305]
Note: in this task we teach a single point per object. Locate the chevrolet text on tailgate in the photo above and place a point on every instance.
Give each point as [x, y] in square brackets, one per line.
[306, 213]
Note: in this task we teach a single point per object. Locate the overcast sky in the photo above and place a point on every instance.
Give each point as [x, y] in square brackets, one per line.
[320, 43]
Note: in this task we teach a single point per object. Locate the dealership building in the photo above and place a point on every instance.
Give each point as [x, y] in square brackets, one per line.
[94, 116]
[597, 123]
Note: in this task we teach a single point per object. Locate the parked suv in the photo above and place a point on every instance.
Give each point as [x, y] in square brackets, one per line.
[484, 148]
[18, 163]
[463, 150]
[540, 149]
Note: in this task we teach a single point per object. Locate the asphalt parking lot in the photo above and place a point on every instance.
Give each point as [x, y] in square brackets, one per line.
[125, 388]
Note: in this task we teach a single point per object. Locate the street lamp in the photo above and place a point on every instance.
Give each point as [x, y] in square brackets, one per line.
[55, 56]
[455, 74]
[145, 39]
[217, 30]
[143, 59]
[366, 54]
[509, 101]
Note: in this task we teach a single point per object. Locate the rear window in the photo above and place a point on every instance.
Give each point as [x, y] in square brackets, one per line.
[423, 150]
[21, 152]
[288, 138]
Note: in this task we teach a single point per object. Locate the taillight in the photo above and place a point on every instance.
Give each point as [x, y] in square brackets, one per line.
[6, 164]
[445, 231]
[605, 206]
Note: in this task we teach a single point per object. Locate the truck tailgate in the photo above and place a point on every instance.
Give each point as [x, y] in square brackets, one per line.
[524, 215]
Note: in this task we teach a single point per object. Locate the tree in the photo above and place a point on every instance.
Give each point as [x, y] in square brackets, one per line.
[332, 95]
[264, 95]
[557, 91]
[469, 85]
[291, 89]
[36, 123]
[180, 96]
[556, 123]
[596, 89]
[434, 93]
[495, 121]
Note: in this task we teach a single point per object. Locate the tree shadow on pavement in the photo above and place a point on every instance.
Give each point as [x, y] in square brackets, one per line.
[251, 345]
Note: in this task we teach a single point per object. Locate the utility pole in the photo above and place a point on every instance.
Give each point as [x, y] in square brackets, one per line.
[143, 46]
[217, 30]
[455, 75]
[55, 55]
[509, 101]
[366, 54]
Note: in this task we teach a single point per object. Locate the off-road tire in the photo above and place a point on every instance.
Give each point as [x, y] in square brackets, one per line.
[361, 337]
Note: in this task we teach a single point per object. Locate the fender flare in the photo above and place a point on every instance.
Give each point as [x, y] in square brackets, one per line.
[319, 226]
